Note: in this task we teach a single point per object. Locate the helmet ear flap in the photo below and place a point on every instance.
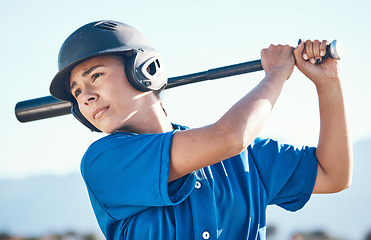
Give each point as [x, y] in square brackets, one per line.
[78, 115]
[145, 72]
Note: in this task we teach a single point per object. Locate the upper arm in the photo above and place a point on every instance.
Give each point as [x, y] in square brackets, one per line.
[320, 184]
[114, 165]
[326, 184]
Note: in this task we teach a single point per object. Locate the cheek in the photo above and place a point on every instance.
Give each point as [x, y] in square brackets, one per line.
[84, 111]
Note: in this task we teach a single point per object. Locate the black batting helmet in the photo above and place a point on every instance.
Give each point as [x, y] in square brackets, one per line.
[143, 66]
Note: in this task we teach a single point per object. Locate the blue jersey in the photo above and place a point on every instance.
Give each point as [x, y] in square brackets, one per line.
[127, 180]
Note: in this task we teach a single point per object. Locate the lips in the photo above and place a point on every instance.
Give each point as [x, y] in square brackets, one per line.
[97, 113]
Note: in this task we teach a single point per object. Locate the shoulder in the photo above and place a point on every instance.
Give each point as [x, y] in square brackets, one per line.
[127, 138]
[130, 151]
[120, 146]
[112, 138]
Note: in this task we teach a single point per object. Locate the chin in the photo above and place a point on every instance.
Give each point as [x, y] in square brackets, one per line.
[109, 129]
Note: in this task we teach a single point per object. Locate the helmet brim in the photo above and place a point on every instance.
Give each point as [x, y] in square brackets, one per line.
[92, 40]
[60, 85]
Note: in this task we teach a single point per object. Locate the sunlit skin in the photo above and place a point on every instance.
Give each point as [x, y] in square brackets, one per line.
[334, 149]
[108, 101]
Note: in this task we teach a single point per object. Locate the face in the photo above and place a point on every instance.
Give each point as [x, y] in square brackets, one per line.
[104, 95]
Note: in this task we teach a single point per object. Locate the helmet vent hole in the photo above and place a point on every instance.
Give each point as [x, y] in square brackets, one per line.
[158, 63]
[110, 26]
[152, 68]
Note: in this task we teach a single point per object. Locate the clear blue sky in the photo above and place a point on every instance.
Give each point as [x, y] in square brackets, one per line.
[191, 36]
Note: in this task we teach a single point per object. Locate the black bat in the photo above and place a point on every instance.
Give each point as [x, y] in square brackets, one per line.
[47, 107]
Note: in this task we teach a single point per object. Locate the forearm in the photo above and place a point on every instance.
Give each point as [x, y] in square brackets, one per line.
[231, 134]
[334, 151]
[234, 131]
[248, 116]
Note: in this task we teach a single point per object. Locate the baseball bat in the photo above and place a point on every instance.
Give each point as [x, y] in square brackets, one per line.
[47, 107]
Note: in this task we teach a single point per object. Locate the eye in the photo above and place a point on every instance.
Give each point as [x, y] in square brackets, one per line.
[95, 76]
[77, 92]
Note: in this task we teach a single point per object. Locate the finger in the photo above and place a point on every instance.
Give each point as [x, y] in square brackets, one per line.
[309, 51]
[301, 46]
[322, 48]
[299, 53]
[316, 51]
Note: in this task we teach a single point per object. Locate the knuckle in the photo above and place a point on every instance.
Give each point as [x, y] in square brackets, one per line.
[324, 43]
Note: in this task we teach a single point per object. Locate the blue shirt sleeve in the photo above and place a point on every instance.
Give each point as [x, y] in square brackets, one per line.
[287, 173]
[127, 173]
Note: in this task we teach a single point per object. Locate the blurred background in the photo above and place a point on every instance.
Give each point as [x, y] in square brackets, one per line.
[42, 195]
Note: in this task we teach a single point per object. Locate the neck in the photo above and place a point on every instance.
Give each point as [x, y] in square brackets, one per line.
[157, 121]
[151, 120]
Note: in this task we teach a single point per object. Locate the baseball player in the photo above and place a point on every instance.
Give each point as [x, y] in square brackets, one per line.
[149, 178]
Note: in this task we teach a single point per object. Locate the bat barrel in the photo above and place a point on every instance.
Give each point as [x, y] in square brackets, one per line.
[40, 108]
[47, 107]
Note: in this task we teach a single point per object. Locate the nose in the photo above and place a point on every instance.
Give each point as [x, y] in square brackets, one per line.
[89, 96]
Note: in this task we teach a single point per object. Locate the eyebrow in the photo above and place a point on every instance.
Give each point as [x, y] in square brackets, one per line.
[72, 86]
[84, 74]
[87, 72]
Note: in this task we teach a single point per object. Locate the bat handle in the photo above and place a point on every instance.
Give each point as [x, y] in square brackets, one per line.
[333, 50]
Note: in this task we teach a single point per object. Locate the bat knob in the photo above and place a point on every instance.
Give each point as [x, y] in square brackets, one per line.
[335, 49]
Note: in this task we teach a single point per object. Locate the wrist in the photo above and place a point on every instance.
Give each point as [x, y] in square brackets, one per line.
[278, 74]
[329, 92]
[327, 84]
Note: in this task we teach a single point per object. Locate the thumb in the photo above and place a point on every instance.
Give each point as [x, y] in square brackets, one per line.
[298, 54]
